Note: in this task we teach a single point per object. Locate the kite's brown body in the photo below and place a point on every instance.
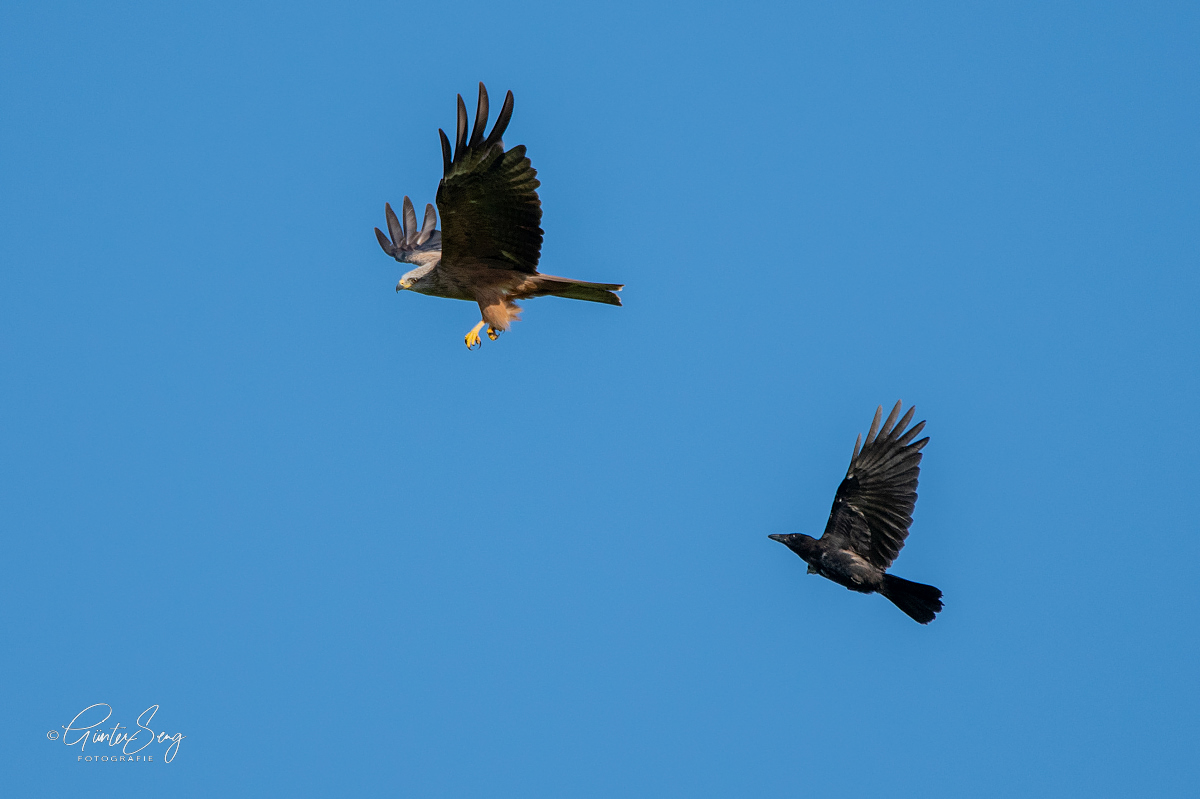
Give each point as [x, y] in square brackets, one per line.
[491, 238]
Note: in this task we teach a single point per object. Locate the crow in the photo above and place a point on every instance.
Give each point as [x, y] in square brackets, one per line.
[869, 521]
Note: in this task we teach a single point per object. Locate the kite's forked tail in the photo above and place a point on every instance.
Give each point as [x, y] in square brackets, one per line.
[921, 602]
[578, 289]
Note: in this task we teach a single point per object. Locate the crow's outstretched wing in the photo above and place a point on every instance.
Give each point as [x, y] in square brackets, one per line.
[488, 200]
[873, 506]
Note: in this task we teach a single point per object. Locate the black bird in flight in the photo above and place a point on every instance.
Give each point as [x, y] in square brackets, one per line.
[869, 521]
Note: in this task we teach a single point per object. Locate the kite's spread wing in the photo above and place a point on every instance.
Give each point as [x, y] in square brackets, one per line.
[408, 239]
[488, 198]
[873, 506]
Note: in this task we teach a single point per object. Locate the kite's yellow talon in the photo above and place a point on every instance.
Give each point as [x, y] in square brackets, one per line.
[493, 333]
[472, 338]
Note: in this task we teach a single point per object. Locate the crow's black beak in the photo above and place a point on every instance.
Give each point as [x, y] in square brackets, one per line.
[776, 537]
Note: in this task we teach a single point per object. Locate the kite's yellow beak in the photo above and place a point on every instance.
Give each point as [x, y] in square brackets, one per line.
[403, 284]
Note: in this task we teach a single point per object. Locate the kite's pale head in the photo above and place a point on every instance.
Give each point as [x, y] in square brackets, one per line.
[414, 277]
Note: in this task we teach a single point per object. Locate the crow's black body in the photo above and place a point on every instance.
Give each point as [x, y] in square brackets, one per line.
[870, 517]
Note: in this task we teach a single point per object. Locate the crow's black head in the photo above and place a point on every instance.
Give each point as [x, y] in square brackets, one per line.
[803, 545]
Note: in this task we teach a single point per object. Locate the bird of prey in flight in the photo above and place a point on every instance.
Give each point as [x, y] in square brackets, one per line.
[487, 250]
[869, 521]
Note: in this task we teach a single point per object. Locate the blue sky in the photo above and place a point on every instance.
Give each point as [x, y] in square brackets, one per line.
[244, 480]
